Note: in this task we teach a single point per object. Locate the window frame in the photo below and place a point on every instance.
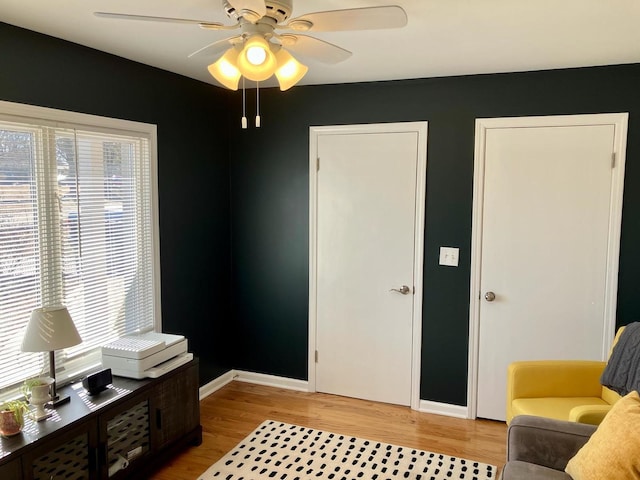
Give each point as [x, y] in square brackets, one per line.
[45, 116]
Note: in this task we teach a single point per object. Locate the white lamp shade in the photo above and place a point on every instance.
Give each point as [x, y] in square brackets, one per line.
[49, 329]
[224, 70]
[290, 71]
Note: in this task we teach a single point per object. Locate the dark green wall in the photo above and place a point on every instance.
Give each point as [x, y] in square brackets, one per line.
[192, 163]
[234, 204]
[269, 191]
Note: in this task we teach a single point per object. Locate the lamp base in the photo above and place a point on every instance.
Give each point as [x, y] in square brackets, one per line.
[58, 400]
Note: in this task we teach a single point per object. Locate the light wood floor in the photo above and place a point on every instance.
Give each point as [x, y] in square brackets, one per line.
[234, 411]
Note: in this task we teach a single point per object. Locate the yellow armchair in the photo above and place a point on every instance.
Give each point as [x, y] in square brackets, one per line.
[561, 389]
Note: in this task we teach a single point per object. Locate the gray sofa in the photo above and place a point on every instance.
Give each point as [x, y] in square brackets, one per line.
[539, 448]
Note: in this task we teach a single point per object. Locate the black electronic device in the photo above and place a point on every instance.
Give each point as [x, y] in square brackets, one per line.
[95, 383]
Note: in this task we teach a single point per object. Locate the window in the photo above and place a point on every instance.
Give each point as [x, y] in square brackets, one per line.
[78, 223]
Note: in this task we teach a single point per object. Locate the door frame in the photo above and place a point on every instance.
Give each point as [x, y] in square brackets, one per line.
[619, 121]
[421, 178]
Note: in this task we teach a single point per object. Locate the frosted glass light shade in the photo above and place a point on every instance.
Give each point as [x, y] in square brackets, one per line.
[224, 70]
[290, 71]
[256, 72]
[49, 329]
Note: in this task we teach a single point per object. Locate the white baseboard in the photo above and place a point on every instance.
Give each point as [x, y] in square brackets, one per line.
[446, 409]
[251, 377]
[303, 386]
[272, 381]
[216, 384]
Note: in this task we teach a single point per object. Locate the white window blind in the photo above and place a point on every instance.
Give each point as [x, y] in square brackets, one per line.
[77, 223]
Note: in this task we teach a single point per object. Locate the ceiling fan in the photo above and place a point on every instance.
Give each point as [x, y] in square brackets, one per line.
[260, 51]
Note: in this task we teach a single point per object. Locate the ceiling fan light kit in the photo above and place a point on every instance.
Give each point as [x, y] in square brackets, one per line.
[258, 65]
[259, 52]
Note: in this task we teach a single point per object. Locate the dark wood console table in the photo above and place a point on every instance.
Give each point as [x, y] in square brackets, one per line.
[117, 434]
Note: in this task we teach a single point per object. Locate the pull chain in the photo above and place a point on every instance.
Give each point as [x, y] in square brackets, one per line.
[257, 104]
[244, 106]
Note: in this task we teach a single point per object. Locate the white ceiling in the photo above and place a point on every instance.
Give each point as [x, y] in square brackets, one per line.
[443, 37]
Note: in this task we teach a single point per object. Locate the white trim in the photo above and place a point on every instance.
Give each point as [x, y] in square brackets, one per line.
[216, 384]
[313, 248]
[155, 226]
[421, 128]
[252, 377]
[61, 117]
[445, 409]
[271, 380]
[418, 262]
[619, 120]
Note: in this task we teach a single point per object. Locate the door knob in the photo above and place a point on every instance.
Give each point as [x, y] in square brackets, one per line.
[404, 290]
[489, 296]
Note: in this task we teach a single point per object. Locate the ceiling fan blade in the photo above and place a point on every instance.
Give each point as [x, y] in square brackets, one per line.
[216, 47]
[146, 18]
[315, 48]
[368, 18]
[251, 10]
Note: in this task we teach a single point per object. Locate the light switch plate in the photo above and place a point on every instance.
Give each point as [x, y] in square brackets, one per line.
[449, 256]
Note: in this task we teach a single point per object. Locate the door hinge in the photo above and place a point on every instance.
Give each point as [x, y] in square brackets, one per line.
[318, 164]
[613, 160]
[316, 356]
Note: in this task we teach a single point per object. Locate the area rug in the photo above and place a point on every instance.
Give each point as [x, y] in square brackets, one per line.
[282, 451]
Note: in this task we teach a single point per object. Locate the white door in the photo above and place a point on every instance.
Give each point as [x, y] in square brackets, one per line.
[549, 217]
[365, 247]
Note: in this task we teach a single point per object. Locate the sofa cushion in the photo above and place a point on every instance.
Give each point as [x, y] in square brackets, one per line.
[552, 407]
[518, 470]
[613, 451]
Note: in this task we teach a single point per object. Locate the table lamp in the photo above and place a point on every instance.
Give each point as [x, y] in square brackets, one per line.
[50, 329]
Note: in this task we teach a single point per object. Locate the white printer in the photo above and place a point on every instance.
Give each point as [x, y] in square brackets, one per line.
[145, 355]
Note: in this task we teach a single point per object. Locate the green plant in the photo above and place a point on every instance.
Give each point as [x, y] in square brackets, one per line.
[18, 407]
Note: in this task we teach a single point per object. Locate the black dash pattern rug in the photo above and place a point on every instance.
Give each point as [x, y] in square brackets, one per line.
[281, 451]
